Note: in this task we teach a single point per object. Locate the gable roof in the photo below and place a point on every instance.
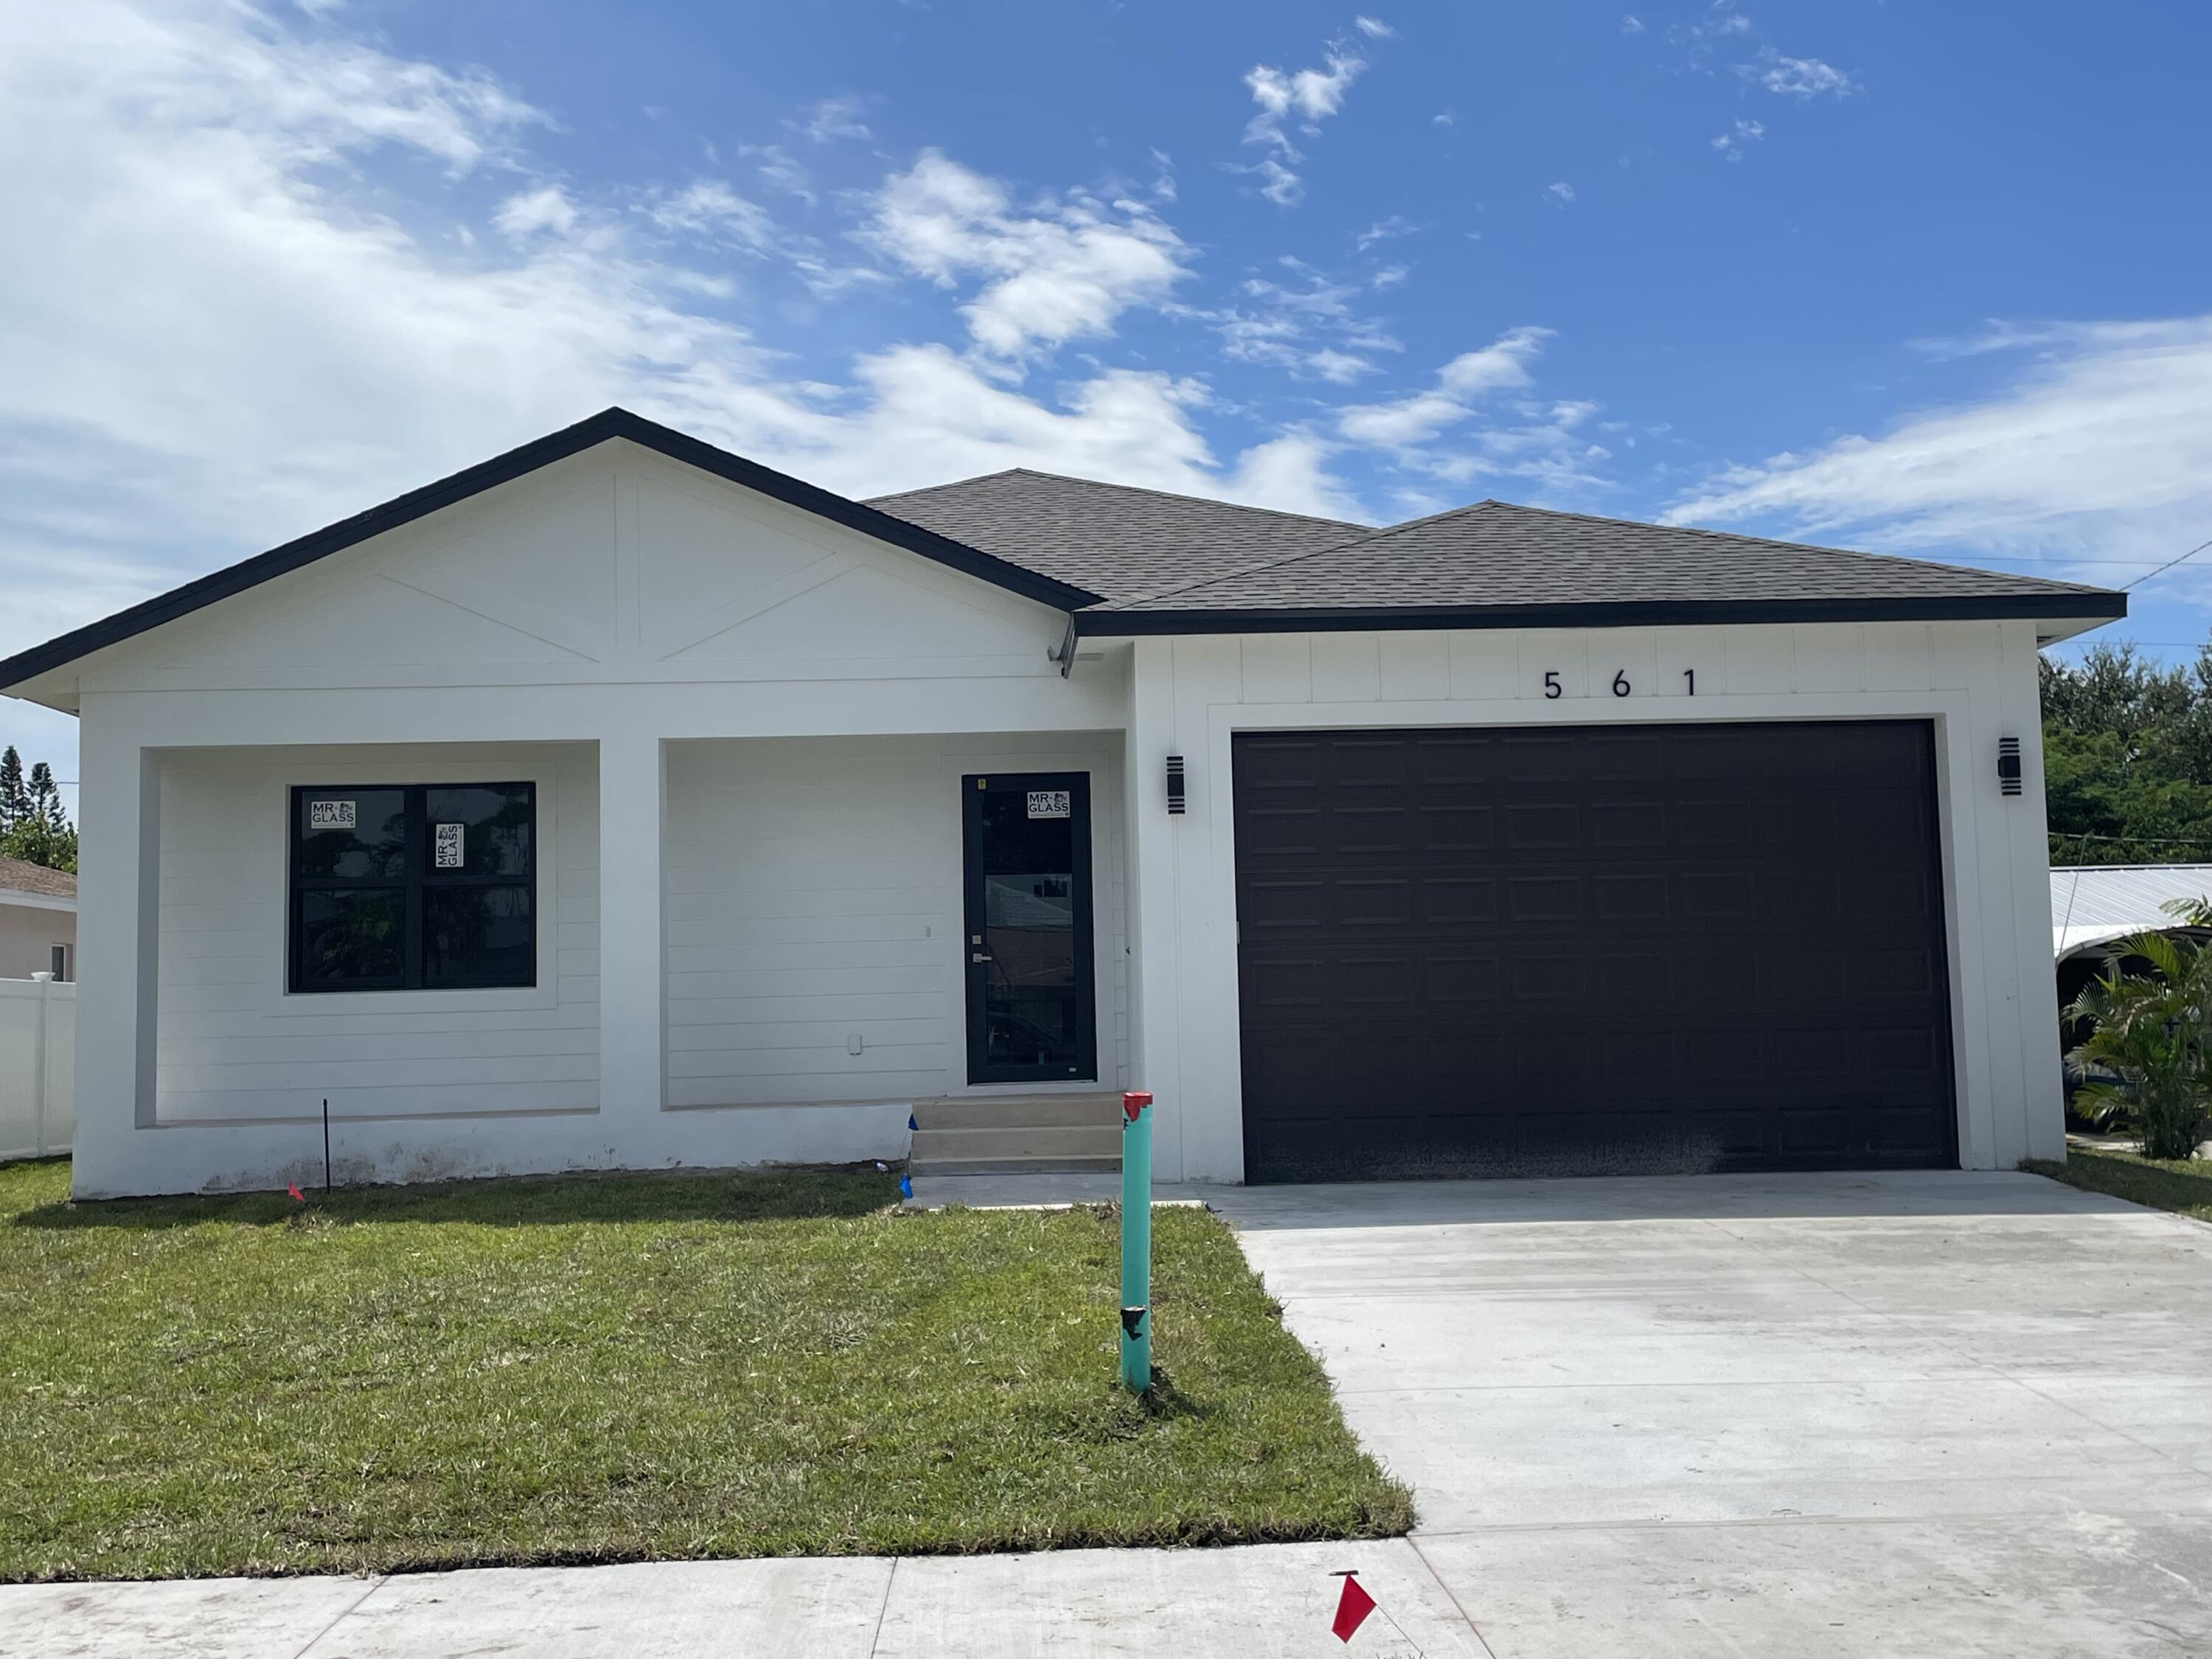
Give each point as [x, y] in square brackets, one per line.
[19, 877]
[1495, 564]
[1119, 541]
[1121, 559]
[528, 458]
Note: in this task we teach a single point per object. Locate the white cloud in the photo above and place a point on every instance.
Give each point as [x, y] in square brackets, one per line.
[1476, 424]
[1312, 329]
[1309, 95]
[1731, 143]
[1444, 119]
[1460, 383]
[833, 119]
[710, 207]
[1375, 28]
[1799, 77]
[2097, 446]
[531, 212]
[1385, 230]
[221, 329]
[1630, 23]
[1562, 193]
[1063, 270]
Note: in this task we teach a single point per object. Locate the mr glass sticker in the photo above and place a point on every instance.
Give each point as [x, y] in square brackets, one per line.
[449, 847]
[1048, 803]
[330, 815]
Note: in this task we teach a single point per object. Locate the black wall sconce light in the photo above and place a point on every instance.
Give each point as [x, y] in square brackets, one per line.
[1175, 786]
[2009, 770]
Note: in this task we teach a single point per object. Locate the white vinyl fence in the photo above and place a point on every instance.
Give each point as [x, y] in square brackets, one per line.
[38, 1066]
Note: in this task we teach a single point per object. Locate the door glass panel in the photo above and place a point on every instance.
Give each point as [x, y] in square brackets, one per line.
[1030, 1007]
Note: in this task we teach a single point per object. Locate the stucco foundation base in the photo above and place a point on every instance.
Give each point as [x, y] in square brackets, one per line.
[206, 1157]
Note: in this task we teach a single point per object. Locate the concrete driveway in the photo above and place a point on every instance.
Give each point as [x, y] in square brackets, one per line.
[1806, 1415]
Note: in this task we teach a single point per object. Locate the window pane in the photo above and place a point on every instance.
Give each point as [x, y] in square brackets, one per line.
[477, 936]
[481, 830]
[353, 835]
[348, 934]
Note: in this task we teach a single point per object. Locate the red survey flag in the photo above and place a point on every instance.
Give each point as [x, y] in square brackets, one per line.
[292, 1187]
[1351, 1609]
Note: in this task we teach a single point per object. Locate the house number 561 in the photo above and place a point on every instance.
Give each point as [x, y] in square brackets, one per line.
[1620, 685]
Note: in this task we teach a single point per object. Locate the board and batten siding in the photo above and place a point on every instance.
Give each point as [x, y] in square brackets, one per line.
[814, 898]
[234, 1046]
[1975, 681]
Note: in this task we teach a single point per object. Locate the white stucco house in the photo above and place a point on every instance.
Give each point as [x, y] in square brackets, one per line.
[621, 803]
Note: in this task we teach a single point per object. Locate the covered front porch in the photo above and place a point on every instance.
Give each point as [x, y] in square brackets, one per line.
[739, 951]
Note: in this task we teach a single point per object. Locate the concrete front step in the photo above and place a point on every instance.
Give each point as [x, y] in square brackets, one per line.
[1016, 1166]
[1017, 1134]
[937, 1146]
[1020, 1112]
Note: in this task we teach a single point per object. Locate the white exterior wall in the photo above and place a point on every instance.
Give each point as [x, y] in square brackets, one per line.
[814, 897]
[235, 1046]
[746, 720]
[1975, 681]
[608, 612]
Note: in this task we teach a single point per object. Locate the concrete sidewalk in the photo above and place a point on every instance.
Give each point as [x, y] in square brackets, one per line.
[1270, 1602]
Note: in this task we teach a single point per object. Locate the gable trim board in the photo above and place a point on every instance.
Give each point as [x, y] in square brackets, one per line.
[1092, 612]
[1101, 622]
[608, 424]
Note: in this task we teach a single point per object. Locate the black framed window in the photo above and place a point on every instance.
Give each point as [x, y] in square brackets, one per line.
[399, 887]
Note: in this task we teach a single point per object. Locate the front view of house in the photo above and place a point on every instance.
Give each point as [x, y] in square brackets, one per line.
[621, 803]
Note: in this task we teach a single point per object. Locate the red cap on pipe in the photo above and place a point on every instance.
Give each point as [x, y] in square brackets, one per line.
[1134, 1101]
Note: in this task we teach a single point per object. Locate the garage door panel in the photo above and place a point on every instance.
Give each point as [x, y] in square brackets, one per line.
[1591, 948]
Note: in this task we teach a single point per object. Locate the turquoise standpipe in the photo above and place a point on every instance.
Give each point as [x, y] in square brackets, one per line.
[1136, 1242]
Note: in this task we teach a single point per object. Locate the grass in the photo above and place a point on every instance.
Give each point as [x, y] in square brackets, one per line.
[631, 1368]
[2182, 1185]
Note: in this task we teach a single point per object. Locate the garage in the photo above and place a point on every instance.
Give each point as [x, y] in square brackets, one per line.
[1576, 949]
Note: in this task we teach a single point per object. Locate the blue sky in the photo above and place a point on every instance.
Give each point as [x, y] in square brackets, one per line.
[1921, 278]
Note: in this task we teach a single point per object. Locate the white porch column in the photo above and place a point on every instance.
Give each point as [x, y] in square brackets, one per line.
[1155, 963]
[118, 937]
[633, 1045]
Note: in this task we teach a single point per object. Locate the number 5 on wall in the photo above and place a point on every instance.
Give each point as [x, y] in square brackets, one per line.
[1552, 684]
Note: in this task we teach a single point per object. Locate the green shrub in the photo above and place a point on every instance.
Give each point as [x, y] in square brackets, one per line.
[2151, 1033]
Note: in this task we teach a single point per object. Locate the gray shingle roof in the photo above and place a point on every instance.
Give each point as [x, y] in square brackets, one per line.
[1114, 540]
[17, 877]
[1161, 563]
[1497, 554]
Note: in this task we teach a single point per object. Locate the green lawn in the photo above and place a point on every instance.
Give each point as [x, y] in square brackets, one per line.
[631, 1368]
[2184, 1187]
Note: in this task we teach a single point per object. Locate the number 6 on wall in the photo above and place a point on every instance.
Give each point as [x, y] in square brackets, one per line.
[1621, 683]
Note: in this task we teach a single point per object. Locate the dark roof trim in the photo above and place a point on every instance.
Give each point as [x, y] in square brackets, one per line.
[1632, 613]
[502, 468]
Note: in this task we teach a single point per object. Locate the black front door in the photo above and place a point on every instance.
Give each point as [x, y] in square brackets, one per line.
[1031, 1000]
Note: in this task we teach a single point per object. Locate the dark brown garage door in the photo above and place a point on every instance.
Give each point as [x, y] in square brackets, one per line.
[1591, 950]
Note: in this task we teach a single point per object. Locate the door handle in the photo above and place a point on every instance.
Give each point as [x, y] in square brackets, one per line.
[978, 957]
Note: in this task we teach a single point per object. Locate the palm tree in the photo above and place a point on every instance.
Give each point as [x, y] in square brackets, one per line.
[2153, 1034]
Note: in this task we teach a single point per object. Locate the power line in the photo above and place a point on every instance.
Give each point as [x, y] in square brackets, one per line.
[2168, 566]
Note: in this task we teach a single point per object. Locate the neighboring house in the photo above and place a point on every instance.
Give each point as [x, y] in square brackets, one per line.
[620, 802]
[38, 921]
[2093, 905]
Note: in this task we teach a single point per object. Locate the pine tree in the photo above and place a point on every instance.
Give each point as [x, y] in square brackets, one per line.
[14, 799]
[34, 826]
